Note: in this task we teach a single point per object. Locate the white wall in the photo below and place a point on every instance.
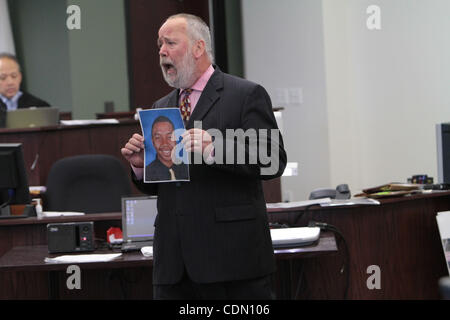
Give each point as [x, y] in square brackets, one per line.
[371, 98]
[75, 70]
[386, 89]
[6, 36]
[283, 48]
[98, 58]
[42, 47]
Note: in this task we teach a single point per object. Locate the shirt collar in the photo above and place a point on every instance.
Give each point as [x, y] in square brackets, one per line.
[202, 81]
[13, 99]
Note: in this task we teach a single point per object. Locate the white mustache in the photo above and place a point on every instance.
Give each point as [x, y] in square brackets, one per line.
[162, 62]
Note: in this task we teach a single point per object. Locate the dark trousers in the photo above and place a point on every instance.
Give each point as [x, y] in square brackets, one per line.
[186, 289]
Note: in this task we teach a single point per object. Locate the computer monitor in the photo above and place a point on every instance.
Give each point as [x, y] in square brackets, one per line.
[13, 176]
[32, 117]
[443, 152]
[138, 218]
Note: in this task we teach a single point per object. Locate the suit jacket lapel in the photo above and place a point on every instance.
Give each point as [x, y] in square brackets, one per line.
[173, 99]
[209, 96]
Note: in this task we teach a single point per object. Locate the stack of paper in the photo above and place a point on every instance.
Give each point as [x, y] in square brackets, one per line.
[87, 122]
[80, 258]
[351, 202]
[390, 190]
[296, 204]
[50, 214]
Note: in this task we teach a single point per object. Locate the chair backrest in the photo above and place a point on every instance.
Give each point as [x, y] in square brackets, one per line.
[444, 287]
[87, 183]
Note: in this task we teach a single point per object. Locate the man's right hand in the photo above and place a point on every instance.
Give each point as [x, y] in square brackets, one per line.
[134, 151]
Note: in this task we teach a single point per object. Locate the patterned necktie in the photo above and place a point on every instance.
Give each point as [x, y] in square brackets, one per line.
[172, 174]
[185, 106]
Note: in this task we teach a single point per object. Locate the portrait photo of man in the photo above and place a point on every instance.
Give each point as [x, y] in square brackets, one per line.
[163, 156]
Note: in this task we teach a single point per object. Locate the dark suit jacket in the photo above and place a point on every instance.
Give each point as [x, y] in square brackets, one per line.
[215, 226]
[26, 100]
[157, 171]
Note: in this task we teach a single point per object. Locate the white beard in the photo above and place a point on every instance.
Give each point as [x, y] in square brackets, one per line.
[185, 72]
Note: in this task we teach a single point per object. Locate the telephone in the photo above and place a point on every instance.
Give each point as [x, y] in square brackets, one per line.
[342, 192]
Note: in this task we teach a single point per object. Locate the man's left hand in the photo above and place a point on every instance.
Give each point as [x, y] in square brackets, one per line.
[198, 141]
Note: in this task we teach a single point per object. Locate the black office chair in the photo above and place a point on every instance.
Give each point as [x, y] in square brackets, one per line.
[87, 183]
[444, 288]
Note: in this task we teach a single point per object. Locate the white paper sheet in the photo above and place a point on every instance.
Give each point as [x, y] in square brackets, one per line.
[296, 204]
[351, 202]
[87, 122]
[49, 214]
[81, 258]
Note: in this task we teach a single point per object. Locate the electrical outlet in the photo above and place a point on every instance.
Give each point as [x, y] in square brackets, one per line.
[295, 95]
[280, 98]
[291, 169]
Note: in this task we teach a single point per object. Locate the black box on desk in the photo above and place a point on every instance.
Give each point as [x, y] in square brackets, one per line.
[70, 237]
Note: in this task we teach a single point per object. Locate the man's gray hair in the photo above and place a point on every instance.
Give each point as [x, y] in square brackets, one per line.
[6, 55]
[197, 30]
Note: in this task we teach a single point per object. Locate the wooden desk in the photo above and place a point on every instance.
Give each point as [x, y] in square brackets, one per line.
[25, 275]
[31, 258]
[400, 236]
[24, 258]
[33, 231]
[33, 284]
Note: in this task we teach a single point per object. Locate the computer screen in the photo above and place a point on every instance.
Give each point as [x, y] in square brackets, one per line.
[32, 117]
[443, 152]
[13, 175]
[138, 218]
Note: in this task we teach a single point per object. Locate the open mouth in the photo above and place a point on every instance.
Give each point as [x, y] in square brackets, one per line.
[168, 68]
[165, 152]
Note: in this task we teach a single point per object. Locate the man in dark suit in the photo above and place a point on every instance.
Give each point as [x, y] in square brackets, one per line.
[11, 98]
[212, 239]
[163, 167]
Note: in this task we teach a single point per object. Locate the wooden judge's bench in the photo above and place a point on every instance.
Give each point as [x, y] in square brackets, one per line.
[42, 147]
